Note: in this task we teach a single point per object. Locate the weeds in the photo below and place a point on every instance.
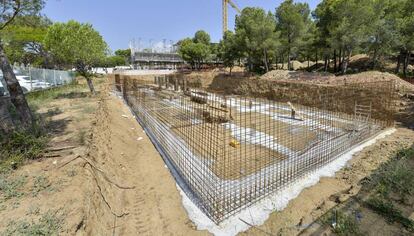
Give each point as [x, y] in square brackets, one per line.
[81, 137]
[38, 98]
[341, 223]
[33, 210]
[396, 176]
[49, 224]
[387, 209]
[40, 183]
[11, 187]
[20, 146]
[71, 173]
[88, 109]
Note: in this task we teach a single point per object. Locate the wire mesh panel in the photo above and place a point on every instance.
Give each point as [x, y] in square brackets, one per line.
[231, 151]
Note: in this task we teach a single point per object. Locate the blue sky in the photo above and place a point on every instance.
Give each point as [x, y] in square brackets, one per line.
[120, 21]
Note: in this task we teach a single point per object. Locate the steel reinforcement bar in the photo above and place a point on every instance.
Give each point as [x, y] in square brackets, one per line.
[231, 151]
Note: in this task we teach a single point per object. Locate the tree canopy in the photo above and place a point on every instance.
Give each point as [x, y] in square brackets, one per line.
[76, 44]
[333, 32]
[24, 37]
[197, 50]
[257, 37]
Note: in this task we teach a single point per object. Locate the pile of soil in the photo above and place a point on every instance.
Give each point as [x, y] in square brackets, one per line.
[285, 75]
[327, 78]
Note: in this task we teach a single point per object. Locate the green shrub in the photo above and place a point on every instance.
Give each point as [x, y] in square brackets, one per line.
[20, 146]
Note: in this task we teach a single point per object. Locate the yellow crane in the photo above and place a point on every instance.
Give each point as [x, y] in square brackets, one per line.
[226, 3]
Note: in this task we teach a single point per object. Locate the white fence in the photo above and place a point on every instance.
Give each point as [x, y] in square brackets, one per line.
[33, 79]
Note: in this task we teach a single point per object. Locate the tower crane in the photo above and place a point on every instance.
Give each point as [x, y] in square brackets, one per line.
[226, 3]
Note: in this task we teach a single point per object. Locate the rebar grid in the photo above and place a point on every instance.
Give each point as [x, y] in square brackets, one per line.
[231, 151]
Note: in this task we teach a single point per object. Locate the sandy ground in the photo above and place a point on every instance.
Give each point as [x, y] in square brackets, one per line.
[120, 185]
[50, 189]
[152, 204]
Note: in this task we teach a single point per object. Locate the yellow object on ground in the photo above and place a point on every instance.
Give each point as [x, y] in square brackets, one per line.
[234, 143]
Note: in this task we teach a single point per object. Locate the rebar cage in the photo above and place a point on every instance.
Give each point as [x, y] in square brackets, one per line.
[231, 151]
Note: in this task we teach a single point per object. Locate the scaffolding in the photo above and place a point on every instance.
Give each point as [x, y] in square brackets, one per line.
[231, 151]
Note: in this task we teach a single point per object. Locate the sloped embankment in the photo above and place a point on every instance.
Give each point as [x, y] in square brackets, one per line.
[134, 192]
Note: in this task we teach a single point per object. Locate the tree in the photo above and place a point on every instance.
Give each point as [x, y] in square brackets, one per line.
[10, 10]
[384, 36]
[344, 25]
[125, 53]
[405, 26]
[24, 38]
[292, 20]
[310, 41]
[78, 45]
[255, 32]
[193, 53]
[116, 60]
[197, 50]
[229, 50]
[202, 37]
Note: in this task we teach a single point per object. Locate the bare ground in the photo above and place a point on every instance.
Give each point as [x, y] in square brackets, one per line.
[153, 204]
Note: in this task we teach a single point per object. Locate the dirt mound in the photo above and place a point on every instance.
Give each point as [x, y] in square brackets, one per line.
[358, 57]
[276, 75]
[327, 78]
[297, 65]
[374, 76]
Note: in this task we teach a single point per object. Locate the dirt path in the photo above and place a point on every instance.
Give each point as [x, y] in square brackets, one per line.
[124, 152]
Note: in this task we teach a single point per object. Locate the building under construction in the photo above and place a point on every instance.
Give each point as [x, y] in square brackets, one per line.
[231, 151]
[157, 60]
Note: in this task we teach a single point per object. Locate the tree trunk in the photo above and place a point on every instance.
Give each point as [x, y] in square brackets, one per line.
[397, 70]
[16, 92]
[90, 84]
[325, 66]
[316, 58]
[289, 59]
[405, 65]
[374, 59]
[345, 62]
[335, 63]
[340, 59]
[265, 60]
[283, 62]
[6, 121]
[308, 62]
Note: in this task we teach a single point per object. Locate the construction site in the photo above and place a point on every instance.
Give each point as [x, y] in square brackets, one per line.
[231, 151]
[224, 118]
